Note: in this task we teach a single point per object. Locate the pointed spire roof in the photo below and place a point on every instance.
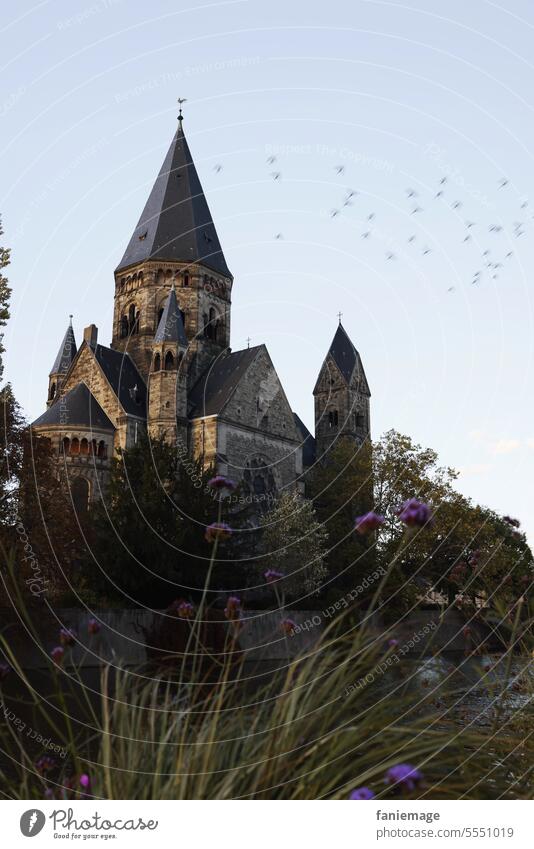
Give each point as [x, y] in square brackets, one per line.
[171, 325]
[176, 223]
[343, 352]
[66, 353]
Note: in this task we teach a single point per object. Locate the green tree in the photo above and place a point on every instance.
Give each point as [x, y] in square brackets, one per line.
[147, 535]
[5, 294]
[294, 542]
[342, 489]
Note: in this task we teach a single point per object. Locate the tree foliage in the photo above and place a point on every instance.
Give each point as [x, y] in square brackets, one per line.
[294, 542]
[5, 294]
[147, 534]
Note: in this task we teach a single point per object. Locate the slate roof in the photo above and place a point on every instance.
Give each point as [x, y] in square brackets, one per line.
[171, 325]
[308, 442]
[66, 353]
[77, 408]
[124, 379]
[213, 390]
[176, 223]
[344, 353]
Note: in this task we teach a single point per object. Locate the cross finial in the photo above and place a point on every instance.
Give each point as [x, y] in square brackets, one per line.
[339, 315]
[249, 340]
[70, 317]
[180, 101]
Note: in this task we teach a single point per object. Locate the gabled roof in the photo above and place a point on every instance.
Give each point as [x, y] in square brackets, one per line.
[215, 387]
[78, 408]
[176, 223]
[66, 353]
[124, 379]
[171, 325]
[308, 442]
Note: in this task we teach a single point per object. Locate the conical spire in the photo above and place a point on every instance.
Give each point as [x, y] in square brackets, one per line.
[346, 357]
[171, 325]
[66, 353]
[176, 223]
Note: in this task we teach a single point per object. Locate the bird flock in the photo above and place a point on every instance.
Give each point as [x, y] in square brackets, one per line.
[491, 261]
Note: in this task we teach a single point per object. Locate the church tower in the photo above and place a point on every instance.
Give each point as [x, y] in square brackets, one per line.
[64, 358]
[167, 383]
[174, 244]
[342, 407]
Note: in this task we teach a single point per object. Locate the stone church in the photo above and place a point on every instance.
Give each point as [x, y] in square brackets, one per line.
[169, 369]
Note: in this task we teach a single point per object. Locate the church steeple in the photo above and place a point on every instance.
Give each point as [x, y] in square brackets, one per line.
[342, 395]
[174, 243]
[167, 382]
[176, 223]
[64, 358]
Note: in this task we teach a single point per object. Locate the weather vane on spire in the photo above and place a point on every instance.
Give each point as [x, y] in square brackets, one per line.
[340, 315]
[180, 101]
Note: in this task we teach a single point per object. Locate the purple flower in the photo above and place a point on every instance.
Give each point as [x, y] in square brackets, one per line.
[218, 530]
[85, 781]
[405, 776]
[67, 637]
[393, 643]
[57, 655]
[362, 793]
[185, 610]
[49, 793]
[219, 482]
[369, 522]
[93, 626]
[5, 669]
[45, 764]
[415, 513]
[232, 611]
[271, 575]
[288, 626]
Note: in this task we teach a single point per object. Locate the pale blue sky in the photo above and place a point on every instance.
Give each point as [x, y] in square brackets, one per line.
[400, 94]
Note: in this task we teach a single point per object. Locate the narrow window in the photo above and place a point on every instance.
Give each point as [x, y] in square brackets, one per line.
[169, 361]
[75, 446]
[102, 449]
[66, 445]
[157, 363]
[80, 495]
[84, 447]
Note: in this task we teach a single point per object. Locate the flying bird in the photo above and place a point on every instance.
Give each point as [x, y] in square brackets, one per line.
[271, 160]
[438, 194]
[366, 234]
[217, 168]
[470, 224]
[411, 239]
[276, 175]
[339, 169]
[370, 216]
[451, 289]
[416, 209]
[334, 212]
[456, 204]
[279, 236]
[426, 251]
[390, 256]
[411, 193]
[443, 181]
[504, 182]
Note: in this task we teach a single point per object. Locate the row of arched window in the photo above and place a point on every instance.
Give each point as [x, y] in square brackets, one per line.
[130, 322]
[181, 279]
[213, 326]
[84, 447]
[126, 284]
[333, 419]
[168, 362]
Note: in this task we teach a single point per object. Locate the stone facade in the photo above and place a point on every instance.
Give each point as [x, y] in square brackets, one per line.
[170, 371]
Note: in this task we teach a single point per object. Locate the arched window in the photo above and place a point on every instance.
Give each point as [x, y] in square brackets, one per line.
[211, 327]
[124, 327]
[84, 446]
[80, 494]
[359, 420]
[66, 445]
[157, 363]
[333, 418]
[186, 280]
[102, 451]
[132, 319]
[169, 361]
[52, 393]
[75, 446]
[94, 449]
